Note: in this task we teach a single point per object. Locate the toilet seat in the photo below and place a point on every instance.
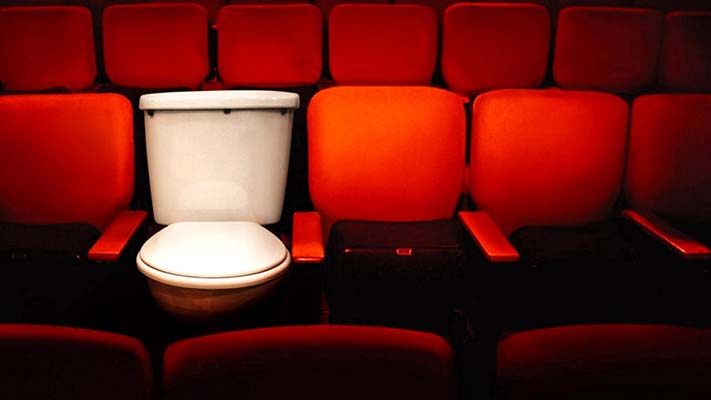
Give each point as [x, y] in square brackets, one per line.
[213, 255]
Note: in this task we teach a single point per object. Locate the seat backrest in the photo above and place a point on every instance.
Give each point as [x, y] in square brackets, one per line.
[52, 362]
[270, 45]
[615, 361]
[385, 153]
[382, 44]
[314, 362]
[668, 166]
[547, 157]
[494, 45]
[685, 63]
[46, 47]
[608, 49]
[158, 45]
[65, 158]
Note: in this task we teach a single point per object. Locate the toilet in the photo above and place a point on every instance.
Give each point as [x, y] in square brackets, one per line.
[217, 164]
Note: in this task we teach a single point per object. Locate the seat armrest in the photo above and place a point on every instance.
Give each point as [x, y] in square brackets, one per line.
[307, 238]
[488, 237]
[676, 240]
[117, 235]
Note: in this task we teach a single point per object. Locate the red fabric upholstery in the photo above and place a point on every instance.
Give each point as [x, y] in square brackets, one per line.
[311, 362]
[438, 5]
[381, 44]
[52, 362]
[686, 52]
[609, 49]
[494, 45]
[65, 158]
[606, 361]
[369, 145]
[270, 46]
[156, 45]
[668, 166]
[212, 7]
[547, 158]
[592, 3]
[46, 47]
[327, 5]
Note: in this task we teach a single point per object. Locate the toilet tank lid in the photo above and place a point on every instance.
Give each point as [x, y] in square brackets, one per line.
[219, 99]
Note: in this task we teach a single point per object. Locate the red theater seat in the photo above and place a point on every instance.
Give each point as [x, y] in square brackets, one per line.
[46, 47]
[608, 49]
[69, 159]
[685, 63]
[367, 146]
[52, 362]
[156, 45]
[380, 44]
[668, 185]
[314, 362]
[270, 46]
[605, 361]
[546, 169]
[475, 59]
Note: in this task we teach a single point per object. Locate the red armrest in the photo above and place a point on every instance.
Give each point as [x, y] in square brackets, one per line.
[488, 237]
[682, 244]
[307, 239]
[116, 236]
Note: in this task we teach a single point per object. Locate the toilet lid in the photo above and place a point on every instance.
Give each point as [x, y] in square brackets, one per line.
[213, 249]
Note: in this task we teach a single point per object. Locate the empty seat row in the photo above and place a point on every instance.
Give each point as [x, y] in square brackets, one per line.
[484, 47]
[352, 362]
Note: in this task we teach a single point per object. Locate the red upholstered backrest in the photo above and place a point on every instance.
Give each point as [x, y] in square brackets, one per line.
[609, 49]
[311, 362]
[385, 153]
[46, 47]
[52, 362]
[270, 45]
[382, 44]
[212, 7]
[606, 361]
[156, 45]
[685, 63]
[495, 45]
[548, 157]
[669, 162]
[65, 158]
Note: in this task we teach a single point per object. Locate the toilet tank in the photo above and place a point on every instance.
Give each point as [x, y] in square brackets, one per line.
[218, 155]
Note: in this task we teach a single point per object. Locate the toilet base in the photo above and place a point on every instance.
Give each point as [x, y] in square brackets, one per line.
[209, 305]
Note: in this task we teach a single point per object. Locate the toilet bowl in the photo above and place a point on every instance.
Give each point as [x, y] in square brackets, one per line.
[217, 164]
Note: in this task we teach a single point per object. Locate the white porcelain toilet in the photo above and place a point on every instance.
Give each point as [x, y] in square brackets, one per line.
[217, 163]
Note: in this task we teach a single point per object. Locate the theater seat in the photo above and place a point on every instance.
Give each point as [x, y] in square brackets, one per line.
[156, 46]
[380, 44]
[685, 64]
[615, 361]
[667, 187]
[545, 173]
[270, 46]
[607, 49]
[53, 362]
[315, 362]
[491, 46]
[45, 48]
[367, 146]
